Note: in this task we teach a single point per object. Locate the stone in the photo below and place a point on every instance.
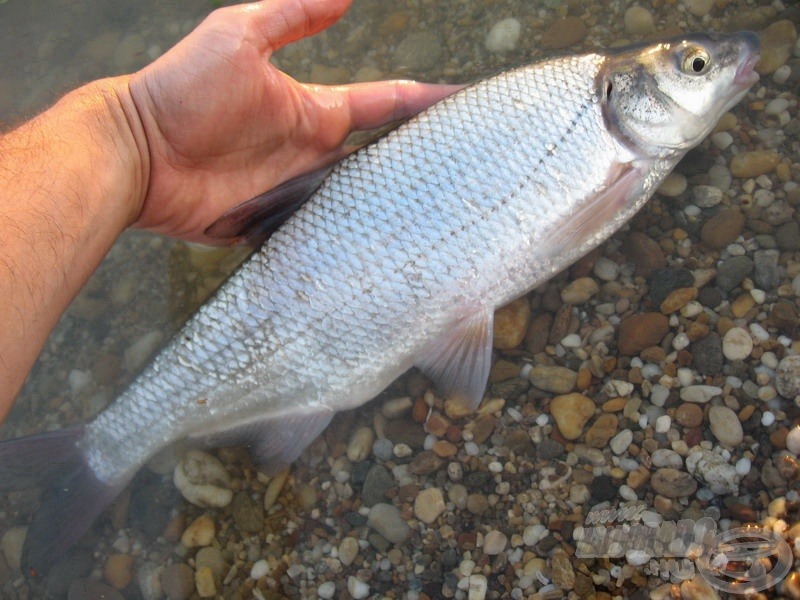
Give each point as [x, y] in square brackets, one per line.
[638, 21]
[559, 380]
[673, 483]
[503, 36]
[767, 273]
[358, 589]
[387, 521]
[712, 469]
[579, 291]
[511, 323]
[706, 196]
[677, 299]
[202, 480]
[360, 444]
[376, 484]
[477, 587]
[707, 354]
[723, 228]
[563, 33]
[689, 415]
[640, 331]
[418, 52]
[777, 43]
[89, 589]
[699, 8]
[428, 505]
[204, 583]
[754, 163]
[643, 253]
[664, 457]
[200, 532]
[665, 281]
[601, 431]
[248, 514]
[327, 590]
[571, 412]
[737, 344]
[11, 544]
[494, 542]
[787, 377]
[725, 426]
[700, 394]
[732, 271]
[348, 551]
[177, 580]
[620, 442]
[563, 572]
[118, 570]
[211, 558]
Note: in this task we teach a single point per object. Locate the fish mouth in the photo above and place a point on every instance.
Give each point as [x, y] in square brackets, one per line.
[745, 73]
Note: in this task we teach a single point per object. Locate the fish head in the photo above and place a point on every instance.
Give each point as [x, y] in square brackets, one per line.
[663, 98]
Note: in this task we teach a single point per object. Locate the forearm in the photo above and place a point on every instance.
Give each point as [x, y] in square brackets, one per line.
[71, 180]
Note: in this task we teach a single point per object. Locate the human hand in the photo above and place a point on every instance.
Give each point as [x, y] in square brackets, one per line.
[222, 124]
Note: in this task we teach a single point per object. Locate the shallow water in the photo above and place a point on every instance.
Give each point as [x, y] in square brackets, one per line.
[149, 285]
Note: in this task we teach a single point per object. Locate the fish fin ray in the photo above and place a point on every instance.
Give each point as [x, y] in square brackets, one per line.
[72, 501]
[622, 181]
[276, 441]
[459, 361]
[256, 219]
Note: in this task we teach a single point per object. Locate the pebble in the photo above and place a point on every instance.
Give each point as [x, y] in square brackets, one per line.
[200, 532]
[737, 344]
[360, 444]
[725, 426]
[478, 587]
[777, 43]
[767, 273]
[248, 514]
[707, 354]
[259, 569]
[722, 139]
[643, 252]
[579, 291]
[348, 550]
[564, 33]
[118, 570]
[664, 457]
[511, 323]
[673, 185]
[663, 424]
[376, 484]
[494, 542]
[723, 228]
[620, 442]
[428, 505]
[203, 480]
[699, 8]
[561, 567]
[601, 431]
[358, 589]
[503, 36]
[11, 544]
[731, 272]
[571, 412]
[754, 162]
[210, 557]
[700, 393]
[177, 580]
[387, 520]
[638, 21]
[793, 440]
[419, 51]
[640, 331]
[787, 377]
[90, 589]
[677, 299]
[706, 196]
[204, 583]
[327, 590]
[605, 269]
[711, 468]
[689, 415]
[559, 380]
[673, 483]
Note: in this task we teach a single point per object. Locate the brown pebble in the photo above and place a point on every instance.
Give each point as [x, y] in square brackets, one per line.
[743, 512]
[747, 412]
[654, 354]
[689, 414]
[584, 379]
[640, 331]
[481, 428]
[723, 228]
[614, 405]
[177, 581]
[673, 483]
[742, 305]
[444, 449]
[638, 478]
[564, 33]
[677, 299]
[511, 324]
[644, 253]
[118, 570]
[424, 463]
[436, 424]
[538, 333]
[419, 412]
[777, 43]
[602, 430]
[693, 436]
[778, 438]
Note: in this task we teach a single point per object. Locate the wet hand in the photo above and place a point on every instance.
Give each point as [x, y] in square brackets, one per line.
[222, 124]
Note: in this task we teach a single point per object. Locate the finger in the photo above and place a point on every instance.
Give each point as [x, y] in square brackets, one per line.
[279, 22]
[377, 103]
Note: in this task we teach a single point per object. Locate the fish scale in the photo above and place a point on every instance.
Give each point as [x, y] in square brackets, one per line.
[402, 254]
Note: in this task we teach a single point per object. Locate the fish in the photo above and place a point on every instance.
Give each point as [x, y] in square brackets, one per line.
[395, 257]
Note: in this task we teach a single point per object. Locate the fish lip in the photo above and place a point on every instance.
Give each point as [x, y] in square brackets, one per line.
[745, 73]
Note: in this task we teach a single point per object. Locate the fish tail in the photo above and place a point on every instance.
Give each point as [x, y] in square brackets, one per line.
[73, 499]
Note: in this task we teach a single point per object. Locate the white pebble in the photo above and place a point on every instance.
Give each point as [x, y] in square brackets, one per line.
[533, 534]
[606, 269]
[706, 196]
[692, 309]
[503, 36]
[659, 395]
[793, 440]
[767, 393]
[203, 480]
[627, 493]
[402, 450]
[743, 466]
[260, 568]
[620, 442]
[471, 448]
[722, 139]
[692, 210]
[357, 588]
[767, 418]
[663, 423]
[327, 590]
[737, 344]
[776, 106]
[760, 296]
[759, 332]
[478, 586]
[782, 74]
[573, 340]
[542, 420]
[637, 558]
[681, 341]
[685, 376]
[360, 444]
[700, 393]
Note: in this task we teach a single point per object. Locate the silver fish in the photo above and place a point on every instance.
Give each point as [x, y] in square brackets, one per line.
[399, 257]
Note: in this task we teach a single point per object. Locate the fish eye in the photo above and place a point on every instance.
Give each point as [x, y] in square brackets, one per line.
[695, 61]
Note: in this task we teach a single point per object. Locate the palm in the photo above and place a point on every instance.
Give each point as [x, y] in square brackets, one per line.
[223, 124]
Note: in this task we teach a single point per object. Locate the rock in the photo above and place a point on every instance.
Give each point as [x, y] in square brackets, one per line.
[571, 412]
[178, 581]
[358, 589]
[787, 377]
[700, 394]
[666, 458]
[118, 570]
[538, 332]
[425, 463]
[732, 271]
[643, 252]
[477, 588]
[641, 330]
[203, 480]
[579, 291]
[601, 431]
[274, 488]
[211, 558]
[564, 33]
[725, 426]
[699, 8]
[360, 444]
[418, 52]
[787, 236]
[494, 542]
[712, 469]
[677, 299]
[665, 281]
[348, 550]
[620, 442]
[697, 588]
[248, 515]
[605, 269]
[387, 521]
[689, 415]
[11, 544]
[777, 43]
[204, 582]
[638, 21]
[737, 344]
[673, 483]
[673, 185]
[767, 273]
[784, 317]
[200, 532]
[563, 573]
[327, 590]
[723, 228]
[754, 163]
[428, 505]
[511, 324]
[707, 354]
[503, 36]
[377, 483]
[706, 196]
[559, 380]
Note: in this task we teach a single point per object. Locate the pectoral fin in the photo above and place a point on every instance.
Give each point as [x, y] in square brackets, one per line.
[459, 361]
[275, 441]
[255, 220]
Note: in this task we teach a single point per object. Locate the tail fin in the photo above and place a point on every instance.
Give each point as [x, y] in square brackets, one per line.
[72, 502]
